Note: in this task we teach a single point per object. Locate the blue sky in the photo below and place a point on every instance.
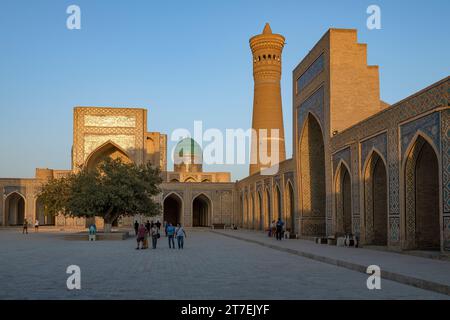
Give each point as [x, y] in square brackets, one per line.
[183, 61]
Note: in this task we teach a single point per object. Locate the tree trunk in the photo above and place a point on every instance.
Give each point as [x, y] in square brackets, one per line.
[107, 227]
[108, 220]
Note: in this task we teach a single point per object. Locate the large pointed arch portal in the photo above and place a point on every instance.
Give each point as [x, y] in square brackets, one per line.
[15, 209]
[201, 211]
[172, 208]
[108, 149]
[312, 178]
[422, 197]
[375, 200]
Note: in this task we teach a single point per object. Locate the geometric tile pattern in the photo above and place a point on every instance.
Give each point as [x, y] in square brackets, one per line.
[389, 120]
[410, 193]
[379, 142]
[313, 104]
[394, 227]
[447, 233]
[81, 130]
[445, 121]
[343, 155]
[429, 125]
[313, 70]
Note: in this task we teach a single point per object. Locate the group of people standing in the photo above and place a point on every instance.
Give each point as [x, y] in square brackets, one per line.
[276, 229]
[25, 226]
[152, 230]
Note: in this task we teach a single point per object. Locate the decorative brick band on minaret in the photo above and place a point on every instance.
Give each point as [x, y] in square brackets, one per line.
[267, 110]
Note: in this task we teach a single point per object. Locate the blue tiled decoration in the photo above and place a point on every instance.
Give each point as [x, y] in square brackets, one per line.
[344, 155]
[428, 125]
[314, 69]
[394, 228]
[313, 104]
[378, 142]
[445, 121]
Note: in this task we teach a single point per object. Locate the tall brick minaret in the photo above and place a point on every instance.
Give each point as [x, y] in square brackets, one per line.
[267, 110]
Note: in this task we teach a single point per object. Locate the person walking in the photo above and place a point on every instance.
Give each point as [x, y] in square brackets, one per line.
[279, 227]
[165, 227]
[158, 225]
[136, 227]
[154, 233]
[180, 234]
[273, 228]
[141, 236]
[170, 235]
[36, 226]
[145, 243]
[25, 226]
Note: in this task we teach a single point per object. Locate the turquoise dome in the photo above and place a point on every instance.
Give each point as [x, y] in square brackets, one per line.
[188, 147]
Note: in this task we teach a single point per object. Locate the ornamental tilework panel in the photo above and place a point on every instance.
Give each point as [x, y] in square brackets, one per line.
[355, 179]
[91, 142]
[394, 229]
[109, 121]
[394, 173]
[445, 120]
[178, 193]
[428, 124]
[81, 129]
[313, 70]
[356, 224]
[447, 233]
[313, 104]
[378, 142]
[342, 155]
[389, 120]
[20, 189]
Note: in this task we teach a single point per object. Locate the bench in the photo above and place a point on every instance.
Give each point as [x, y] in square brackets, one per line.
[218, 226]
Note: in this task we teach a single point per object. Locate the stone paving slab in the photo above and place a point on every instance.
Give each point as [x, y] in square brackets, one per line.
[211, 266]
[424, 273]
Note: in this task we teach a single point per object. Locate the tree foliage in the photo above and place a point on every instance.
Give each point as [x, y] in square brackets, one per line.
[111, 190]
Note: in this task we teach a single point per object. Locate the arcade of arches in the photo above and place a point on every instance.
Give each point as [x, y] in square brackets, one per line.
[359, 165]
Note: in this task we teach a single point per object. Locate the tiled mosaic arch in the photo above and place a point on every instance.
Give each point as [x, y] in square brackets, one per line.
[311, 191]
[368, 174]
[409, 166]
[338, 194]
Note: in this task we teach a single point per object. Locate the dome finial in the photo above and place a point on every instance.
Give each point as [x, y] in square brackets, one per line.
[267, 29]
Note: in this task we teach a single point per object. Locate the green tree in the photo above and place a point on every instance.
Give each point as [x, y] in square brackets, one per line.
[112, 189]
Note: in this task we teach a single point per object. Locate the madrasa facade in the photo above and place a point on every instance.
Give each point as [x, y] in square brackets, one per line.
[359, 165]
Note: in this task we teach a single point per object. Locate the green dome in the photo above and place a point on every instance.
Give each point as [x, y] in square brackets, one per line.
[188, 147]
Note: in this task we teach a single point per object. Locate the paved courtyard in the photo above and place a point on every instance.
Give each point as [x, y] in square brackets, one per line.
[210, 267]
